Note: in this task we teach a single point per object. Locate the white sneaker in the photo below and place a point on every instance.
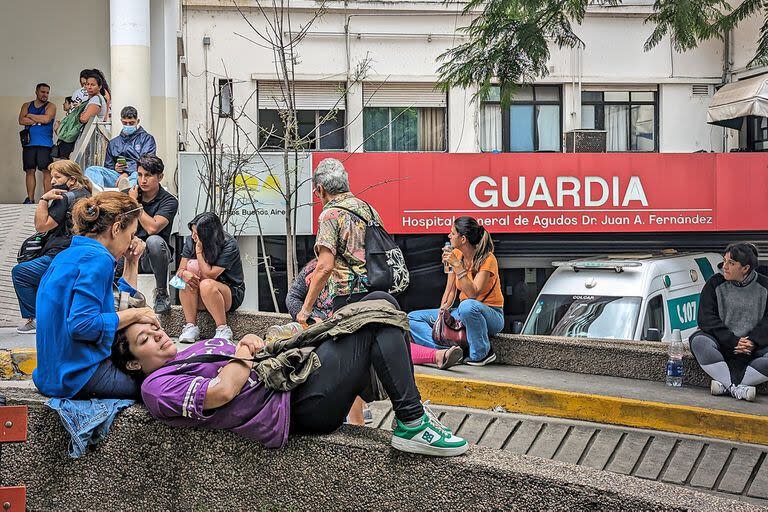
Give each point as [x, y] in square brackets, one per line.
[189, 334]
[224, 332]
[717, 388]
[27, 327]
[741, 392]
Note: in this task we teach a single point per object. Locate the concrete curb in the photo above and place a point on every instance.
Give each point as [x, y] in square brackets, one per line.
[17, 363]
[630, 412]
[150, 466]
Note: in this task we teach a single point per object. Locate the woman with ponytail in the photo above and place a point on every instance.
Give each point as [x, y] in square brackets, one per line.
[475, 275]
[76, 318]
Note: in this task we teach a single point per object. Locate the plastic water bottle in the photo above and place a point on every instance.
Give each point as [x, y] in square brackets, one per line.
[675, 361]
[283, 332]
[446, 266]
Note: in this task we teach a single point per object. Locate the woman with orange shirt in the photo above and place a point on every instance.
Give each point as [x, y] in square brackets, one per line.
[475, 275]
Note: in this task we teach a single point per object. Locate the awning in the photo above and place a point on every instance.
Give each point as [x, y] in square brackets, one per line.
[732, 102]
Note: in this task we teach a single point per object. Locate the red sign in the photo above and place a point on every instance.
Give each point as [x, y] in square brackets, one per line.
[563, 193]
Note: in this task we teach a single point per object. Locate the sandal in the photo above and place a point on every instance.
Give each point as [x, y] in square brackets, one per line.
[452, 357]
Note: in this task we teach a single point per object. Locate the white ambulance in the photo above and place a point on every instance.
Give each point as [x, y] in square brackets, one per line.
[631, 297]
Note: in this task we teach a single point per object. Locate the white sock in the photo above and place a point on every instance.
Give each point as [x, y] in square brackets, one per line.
[720, 372]
[753, 377]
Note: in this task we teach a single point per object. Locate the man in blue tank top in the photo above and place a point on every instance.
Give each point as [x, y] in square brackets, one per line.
[37, 118]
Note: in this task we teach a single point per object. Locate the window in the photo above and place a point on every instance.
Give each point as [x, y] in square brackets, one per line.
[757, 133]
[226, 105]
[530, 123]
[654, 317]
[628, 117]
[404, 117]
[323, 129]
[404, 129]
[320, 114]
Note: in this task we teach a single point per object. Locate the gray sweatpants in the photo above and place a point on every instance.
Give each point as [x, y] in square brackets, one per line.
[730, 370]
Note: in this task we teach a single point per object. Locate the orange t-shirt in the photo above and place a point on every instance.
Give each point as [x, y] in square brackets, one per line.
[490, 265]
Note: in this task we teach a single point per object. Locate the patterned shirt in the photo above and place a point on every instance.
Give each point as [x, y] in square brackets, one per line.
[344, 234]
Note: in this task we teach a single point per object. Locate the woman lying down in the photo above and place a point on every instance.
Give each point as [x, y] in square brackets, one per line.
[229, 395]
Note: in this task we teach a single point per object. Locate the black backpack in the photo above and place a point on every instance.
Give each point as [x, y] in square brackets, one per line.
[384, 260]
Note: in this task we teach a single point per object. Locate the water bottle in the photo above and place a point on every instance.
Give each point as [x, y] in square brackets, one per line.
[446, 266]
[283, 332]
[675, 361]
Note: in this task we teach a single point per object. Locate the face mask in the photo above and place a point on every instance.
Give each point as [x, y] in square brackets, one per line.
[129, 130]
[63, 186]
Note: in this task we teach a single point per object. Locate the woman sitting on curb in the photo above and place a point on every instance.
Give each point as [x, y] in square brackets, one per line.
[211, 267]
[230, 394]
[732, 345]
[76, 320]
[475, 273]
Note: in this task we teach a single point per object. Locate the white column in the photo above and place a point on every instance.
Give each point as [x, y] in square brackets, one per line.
[129, 34]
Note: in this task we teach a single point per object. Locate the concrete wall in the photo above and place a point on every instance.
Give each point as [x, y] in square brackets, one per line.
[145, 465]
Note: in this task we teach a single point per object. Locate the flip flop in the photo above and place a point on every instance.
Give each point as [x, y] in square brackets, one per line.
[452, 357]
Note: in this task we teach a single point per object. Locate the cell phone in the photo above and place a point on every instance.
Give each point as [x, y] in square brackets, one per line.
[121, 160]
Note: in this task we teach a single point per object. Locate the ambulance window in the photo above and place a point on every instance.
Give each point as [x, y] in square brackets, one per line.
[654, 316]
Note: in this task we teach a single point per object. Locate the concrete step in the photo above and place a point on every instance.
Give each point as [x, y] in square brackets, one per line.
[731, 470]
[601, 399]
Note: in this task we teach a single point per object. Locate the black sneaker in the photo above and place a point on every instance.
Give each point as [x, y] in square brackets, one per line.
[489, 358]
[162, 302]
[28, 201]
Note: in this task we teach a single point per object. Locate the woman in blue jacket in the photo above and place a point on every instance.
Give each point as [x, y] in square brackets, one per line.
[76, 307]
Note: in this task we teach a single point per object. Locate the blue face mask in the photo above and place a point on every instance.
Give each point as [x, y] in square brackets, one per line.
[129, 130]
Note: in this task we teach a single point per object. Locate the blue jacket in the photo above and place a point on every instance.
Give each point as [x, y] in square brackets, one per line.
[76, 319]
[130, 147]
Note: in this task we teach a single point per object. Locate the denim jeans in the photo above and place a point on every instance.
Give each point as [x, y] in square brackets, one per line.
[26, 278]
[109, 382]
[481, 322]
[87, 421]
[107, 178]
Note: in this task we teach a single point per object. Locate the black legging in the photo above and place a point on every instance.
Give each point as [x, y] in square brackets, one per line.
[321, 404]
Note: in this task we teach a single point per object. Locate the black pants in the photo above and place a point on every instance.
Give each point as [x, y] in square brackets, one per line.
[156, 259]
[321, 404]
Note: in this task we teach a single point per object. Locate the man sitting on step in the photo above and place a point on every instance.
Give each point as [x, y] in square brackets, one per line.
[155, 225]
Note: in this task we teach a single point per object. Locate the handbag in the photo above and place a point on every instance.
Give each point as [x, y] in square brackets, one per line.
[32, 247]
[450, 332]
[25, 136]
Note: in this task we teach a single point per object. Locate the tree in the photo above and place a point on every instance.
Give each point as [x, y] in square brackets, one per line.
[509, 40]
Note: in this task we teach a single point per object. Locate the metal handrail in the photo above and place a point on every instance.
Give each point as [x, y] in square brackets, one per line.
[91, 146]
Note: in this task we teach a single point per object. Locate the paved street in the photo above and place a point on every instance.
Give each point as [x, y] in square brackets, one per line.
[732, 470]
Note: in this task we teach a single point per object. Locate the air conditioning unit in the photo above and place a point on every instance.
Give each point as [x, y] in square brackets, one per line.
[585, 141]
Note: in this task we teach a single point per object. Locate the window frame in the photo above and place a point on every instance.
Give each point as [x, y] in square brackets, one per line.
[664, 320]
[601, 106]
[318, 117]
[226, 83]
[505, 118]
[753, 133]
[389, 130]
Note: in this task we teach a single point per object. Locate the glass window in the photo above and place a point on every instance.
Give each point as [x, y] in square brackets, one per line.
[641, 129]
[548, 127]
[584, 316]
[629, 125]
[521, 128]
[616, 96]
[404, 129]
[405, 126]
[225, 98]
[654, 316]
[522, 94]
[531, 123]
[331, 129]
[490, 127]
[547, 93]
[588, 117]
[376, 128]
[319, 129]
